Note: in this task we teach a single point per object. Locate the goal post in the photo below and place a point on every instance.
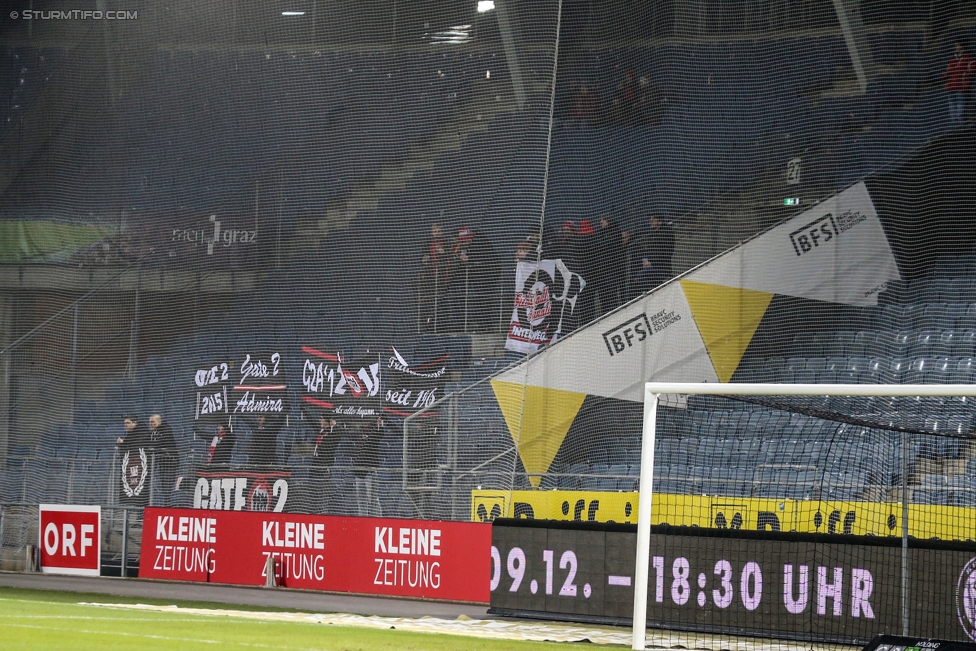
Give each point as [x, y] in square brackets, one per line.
[652, 393]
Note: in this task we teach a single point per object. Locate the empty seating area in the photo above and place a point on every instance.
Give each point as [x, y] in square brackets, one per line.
[206, 126]
[24, 70]
[777, 455]
[732, 110]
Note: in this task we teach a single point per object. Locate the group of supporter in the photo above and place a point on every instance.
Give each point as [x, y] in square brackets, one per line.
[635, 101]
[617, 265]
[158, 442]
[458, 283]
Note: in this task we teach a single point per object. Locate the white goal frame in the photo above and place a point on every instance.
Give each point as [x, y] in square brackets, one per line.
[653, 391]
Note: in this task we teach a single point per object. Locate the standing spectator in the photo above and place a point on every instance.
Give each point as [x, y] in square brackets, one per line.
[628, 248]
[650, 104]
[167, 457]
[134, 456]
[958, 79]
[527, 249]
[221, 447]
[586, 105]
[625, 102]
[565, 247]
[323, 458]
[263, 448]
[587, 262]
[433, 282]
[654, 250]
[476, 275]
[364, 468]
[610, 267]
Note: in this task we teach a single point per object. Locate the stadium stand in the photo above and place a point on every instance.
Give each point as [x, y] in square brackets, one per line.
[204, 126]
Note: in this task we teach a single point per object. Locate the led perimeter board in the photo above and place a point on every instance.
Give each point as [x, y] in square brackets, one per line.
[789, 585]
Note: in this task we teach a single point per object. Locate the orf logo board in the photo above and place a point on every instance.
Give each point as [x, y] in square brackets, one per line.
[70, 539]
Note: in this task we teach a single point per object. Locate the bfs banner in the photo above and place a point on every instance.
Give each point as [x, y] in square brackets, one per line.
[409, 558]
[545, 299]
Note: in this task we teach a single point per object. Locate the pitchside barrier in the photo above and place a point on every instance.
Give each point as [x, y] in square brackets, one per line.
[860, 518]
[59, 533]
[378, 556]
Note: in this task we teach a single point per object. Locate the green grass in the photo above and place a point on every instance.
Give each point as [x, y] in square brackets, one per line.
[39, 619]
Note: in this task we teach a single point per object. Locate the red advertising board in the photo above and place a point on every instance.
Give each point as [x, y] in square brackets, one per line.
[408, 558]
[70, 539]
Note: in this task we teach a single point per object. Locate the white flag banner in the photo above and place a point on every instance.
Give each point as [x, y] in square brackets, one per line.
[697, 329]
[837, 252]
[654, 338]
[545, 298]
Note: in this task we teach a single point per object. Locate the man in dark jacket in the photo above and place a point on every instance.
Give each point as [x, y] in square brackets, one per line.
[167, 457]
[434, 280]
[609, 273]
[654, 250]
[222, 446]
[476, 271]
[564, 247]
[134, 458]
[323, 458]
[263, 448]
[586, 266]
[364, 467]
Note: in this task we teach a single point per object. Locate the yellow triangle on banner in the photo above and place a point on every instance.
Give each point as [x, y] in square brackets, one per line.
[538, 420]
[727, 319]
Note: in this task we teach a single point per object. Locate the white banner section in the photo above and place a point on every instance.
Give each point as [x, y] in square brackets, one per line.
[837, 252]
[545, 296]
[654, 338]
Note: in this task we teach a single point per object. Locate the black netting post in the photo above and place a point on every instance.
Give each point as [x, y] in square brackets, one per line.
[125, 540]
[904, 533]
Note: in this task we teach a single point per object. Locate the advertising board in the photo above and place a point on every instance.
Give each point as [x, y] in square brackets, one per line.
[791, 585]
[378, 556]
[860, 518]
[70, 539]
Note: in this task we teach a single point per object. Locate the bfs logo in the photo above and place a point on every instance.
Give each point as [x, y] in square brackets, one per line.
[820, 231]
[625, 335]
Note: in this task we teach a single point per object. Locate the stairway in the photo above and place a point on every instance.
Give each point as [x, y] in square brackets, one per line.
[471, 117]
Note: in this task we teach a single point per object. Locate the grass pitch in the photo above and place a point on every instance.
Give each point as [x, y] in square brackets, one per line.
[40, 619]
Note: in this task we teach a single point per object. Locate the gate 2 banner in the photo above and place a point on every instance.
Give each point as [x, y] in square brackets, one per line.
[375, 556]
[545, 297]
[210, 386]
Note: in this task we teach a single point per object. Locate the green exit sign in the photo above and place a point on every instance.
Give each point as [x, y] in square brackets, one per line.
[791, 201]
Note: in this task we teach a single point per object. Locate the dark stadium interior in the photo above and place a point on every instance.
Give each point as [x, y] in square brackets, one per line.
[339, 137]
